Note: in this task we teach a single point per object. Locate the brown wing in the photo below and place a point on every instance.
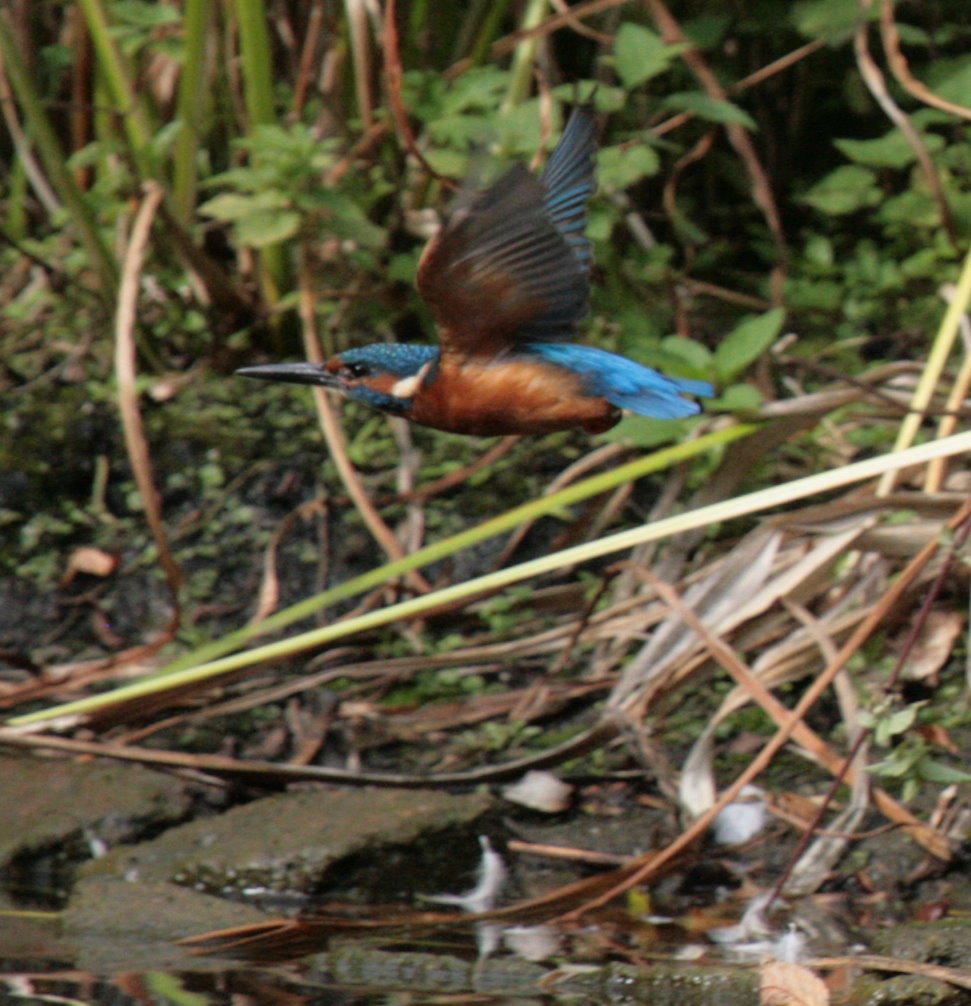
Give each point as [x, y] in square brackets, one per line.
[501, 272]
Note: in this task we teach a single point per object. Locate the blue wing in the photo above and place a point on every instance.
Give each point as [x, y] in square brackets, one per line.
[624, 383]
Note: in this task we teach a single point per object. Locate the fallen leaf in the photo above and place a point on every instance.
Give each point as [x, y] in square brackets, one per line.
[785, 984]
[90, 560]
[934, 645]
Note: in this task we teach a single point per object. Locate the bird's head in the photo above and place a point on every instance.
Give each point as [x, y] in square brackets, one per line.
[386, 376]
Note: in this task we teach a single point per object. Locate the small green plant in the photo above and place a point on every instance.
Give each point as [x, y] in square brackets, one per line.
[910, 758]
[279, 193]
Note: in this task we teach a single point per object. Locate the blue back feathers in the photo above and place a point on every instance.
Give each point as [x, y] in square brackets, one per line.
[624, 383]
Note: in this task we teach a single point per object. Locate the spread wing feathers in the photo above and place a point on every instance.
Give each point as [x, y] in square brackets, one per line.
[624, 383]
[511, 265]
[568, 180]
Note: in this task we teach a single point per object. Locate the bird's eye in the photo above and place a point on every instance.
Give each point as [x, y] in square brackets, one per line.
[357, 369]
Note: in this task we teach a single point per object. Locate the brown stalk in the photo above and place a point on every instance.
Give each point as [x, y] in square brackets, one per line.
[737, 135]
[269, 592]
[357, 25]
[600, 455]
[126, 373]
[503, 46]
[863, 735]
[877, 85]
[394, 77]
[959, 977]
[756, 77]
[901, 70]
[334, 435]
[266, 772]
[458, 476]
[574, 22]
[308, 57]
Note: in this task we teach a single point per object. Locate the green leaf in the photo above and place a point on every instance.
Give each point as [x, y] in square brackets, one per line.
[712, 109]
[640, 54]
[643, 431]
[402, 267]
[888, 151]
[737, 398]
[267, 227]
[911, 209]
[233, 206]
[680, 350]
[451, 163]
[144, 15]
[353, 225]
[847, 189]
[709, 29]
[891, 768]
[831, 19]
[898, 722]
[935, 771]
[746, 342]
[480, 88]
[621, 167]
[950, 78]
[516, 130]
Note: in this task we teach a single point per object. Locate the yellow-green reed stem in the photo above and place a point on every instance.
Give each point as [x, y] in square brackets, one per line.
[205, 656]
[707, 516]
[931, 377]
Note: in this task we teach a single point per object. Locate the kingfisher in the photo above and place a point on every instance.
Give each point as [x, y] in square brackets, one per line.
[507, 281]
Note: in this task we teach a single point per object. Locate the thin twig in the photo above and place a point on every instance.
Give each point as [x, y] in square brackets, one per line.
[737, 135]
[877, 85]
[394, 80]
[900, 69]
[125, 371]
[336, 444]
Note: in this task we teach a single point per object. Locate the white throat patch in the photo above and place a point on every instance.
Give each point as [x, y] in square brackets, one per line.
[408, 386]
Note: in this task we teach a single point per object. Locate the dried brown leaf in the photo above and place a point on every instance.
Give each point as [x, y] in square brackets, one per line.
[90, 560]
[785, 984]
[934, 646]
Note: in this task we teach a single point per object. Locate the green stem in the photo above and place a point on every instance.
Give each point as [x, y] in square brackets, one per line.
[193, 106]
[254, 42]
[930, 378]
[439, 550]
[488, 31]
[755, 502]
[129, 110]
[521, 71]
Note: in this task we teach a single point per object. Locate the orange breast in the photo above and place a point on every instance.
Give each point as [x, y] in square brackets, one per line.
[515, 396]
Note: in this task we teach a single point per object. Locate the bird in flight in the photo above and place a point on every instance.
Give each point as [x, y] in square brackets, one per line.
[507, 282]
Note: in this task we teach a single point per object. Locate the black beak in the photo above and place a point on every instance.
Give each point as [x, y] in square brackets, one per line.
[294, 373]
